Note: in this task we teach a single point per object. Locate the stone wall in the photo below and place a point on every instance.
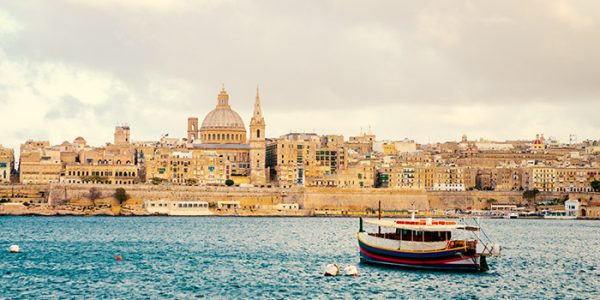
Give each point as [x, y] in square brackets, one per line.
[246, 196]
[308, 198]
[362, 199]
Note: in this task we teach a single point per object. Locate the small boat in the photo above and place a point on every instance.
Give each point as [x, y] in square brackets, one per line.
[178, 207]
[424, 244]
[559, 215]
[510, 215]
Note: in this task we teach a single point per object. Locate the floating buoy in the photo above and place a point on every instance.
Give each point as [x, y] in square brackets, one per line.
[332, 270]
[14, 248]
[119, 258]
[350, 270]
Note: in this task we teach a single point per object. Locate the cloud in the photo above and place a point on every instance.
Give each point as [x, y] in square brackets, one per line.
[8, 24]
[424, 70]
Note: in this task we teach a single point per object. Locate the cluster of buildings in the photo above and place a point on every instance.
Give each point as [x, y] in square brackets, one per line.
[221, 151]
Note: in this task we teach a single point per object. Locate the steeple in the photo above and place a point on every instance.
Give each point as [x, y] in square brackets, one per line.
[258, 152]
[257, 115]
[223, 98]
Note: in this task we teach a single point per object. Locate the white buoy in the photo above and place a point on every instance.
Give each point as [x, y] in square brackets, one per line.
[350, 270]
[14, 248]
[332, 270]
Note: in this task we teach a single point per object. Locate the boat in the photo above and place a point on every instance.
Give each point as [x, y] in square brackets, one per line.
[510, 215]
[559, 215]
[178, 207]
[424, 244]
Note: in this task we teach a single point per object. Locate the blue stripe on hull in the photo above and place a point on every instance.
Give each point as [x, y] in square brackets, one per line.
[456, 267]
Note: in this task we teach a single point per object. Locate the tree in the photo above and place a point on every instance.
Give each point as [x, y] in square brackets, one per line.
[94, 194]
[530, 195]
[229, 182]
[121, 195]
[596, 185]
[155, 180]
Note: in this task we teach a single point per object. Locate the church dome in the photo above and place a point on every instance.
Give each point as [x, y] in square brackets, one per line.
[223, 125]
[223, 118]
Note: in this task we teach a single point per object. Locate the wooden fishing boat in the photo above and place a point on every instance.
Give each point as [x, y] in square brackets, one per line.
[425, 244]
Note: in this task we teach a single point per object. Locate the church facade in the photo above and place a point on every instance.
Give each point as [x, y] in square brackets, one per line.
[223, 131]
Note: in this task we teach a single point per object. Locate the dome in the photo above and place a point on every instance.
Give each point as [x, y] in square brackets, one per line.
[223, 118]
[79, 140]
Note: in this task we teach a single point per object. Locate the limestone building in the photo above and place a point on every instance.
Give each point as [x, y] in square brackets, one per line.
[7, 164]
[185, 166]
[223, 131]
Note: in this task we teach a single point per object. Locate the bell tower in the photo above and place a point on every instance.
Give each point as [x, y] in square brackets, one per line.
[257, 145]
[192, 129]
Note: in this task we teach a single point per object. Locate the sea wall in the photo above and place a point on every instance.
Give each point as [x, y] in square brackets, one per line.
[362, 199]
[308, 198]
[247, 196]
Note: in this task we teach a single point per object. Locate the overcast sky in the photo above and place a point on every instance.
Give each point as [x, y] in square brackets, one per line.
[426, 70]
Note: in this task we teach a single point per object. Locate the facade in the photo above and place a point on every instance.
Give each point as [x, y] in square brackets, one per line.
[101, 174]
[39, 163]
[7, 164]
[190, 167]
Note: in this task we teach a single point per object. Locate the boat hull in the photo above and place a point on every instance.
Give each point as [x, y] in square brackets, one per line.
[451, 259]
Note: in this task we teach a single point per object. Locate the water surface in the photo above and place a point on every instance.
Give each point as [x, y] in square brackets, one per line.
[74, 257]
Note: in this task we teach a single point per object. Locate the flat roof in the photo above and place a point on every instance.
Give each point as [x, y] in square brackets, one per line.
[420, 226]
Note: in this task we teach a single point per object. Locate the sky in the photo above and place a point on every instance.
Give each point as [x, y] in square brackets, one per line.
[425, 70]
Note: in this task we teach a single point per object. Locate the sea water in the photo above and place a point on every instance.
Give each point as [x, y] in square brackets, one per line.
[237, 257]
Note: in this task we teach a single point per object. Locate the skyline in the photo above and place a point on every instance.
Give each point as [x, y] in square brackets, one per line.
[410, 70]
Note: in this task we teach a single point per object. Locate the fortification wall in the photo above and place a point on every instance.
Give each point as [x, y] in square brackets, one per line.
[246, 196]
[362, 199]
[308, 198]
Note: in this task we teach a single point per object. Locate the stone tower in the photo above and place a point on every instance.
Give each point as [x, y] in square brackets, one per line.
[192, 129]
[122, 135]
[257, 145]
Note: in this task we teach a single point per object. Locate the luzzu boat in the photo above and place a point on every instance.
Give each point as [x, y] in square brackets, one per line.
[425, 244]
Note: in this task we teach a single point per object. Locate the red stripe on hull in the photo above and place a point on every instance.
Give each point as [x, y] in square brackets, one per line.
[413, 261]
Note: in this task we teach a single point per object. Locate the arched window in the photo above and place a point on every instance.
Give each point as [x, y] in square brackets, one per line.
[257, 133]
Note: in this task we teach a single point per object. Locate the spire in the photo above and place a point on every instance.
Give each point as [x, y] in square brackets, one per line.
[257, 116]
[223, 98]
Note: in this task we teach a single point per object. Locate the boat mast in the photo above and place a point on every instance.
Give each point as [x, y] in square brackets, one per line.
[379, 227]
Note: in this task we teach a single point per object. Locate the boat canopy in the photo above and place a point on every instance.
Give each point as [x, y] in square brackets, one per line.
[422, 225]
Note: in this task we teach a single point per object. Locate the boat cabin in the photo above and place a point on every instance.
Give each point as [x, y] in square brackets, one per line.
[418, 235]
[415, 235]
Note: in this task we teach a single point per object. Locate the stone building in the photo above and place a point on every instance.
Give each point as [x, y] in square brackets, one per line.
[77, 162]
[223, 132]
[186, 166]
[7, 164]
[39, 163]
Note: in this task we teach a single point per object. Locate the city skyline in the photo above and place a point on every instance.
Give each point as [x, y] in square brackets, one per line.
[433, 74]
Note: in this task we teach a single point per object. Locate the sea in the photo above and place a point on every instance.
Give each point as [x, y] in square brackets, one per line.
[276, 258]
